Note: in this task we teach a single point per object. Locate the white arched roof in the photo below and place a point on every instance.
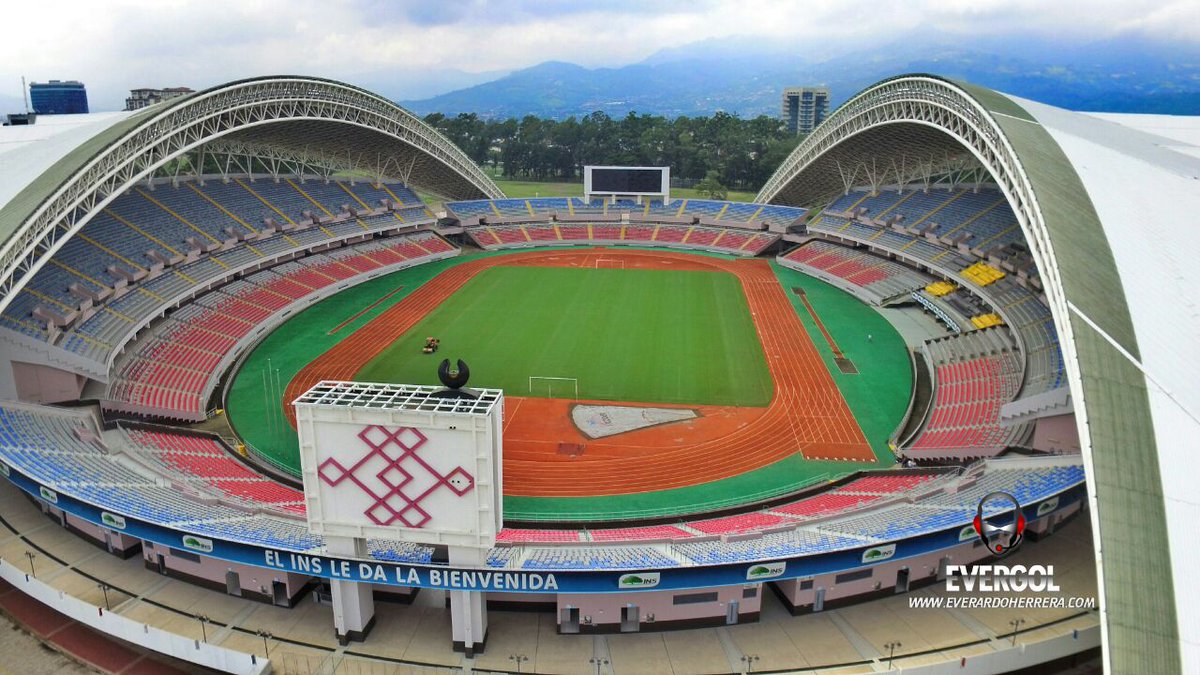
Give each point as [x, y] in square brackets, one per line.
[1106, 210]
[82, 168]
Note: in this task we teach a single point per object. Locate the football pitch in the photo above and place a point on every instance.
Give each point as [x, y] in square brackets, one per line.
[634, 314]
[649, 336]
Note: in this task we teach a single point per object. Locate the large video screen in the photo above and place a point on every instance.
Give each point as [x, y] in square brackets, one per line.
[627, 181]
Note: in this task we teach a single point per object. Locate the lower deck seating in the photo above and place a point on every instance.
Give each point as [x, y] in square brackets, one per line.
[522, 535]
[203, 462]
[610, 557]
[639, 533]
[157, 241]
[65, 450]
[723, 240]
[740, 523]
[825, 504]
[172, 370]
[500, 211]
[975, 374]
[879, 277]
[884, 484]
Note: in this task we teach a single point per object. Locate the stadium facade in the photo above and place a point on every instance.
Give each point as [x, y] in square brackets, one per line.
[1098, 202]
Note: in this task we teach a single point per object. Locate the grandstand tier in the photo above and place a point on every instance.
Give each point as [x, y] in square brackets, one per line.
[152, 246]
[215, 495]
[178, 360]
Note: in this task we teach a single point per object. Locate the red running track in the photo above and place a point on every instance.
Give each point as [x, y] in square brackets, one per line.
[807, 413]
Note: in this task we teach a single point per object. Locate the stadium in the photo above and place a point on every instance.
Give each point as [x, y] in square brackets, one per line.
[736, 435]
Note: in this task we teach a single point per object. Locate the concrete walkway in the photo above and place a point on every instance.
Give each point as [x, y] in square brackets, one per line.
[407, 636]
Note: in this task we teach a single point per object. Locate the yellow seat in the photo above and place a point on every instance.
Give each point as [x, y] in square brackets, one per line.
[939, 288]
[983, 274]
[987, 320]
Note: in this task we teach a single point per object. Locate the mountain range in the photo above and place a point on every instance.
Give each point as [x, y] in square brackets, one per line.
[746, 77]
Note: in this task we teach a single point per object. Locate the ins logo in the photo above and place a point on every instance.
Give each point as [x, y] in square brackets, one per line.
[1003, 532]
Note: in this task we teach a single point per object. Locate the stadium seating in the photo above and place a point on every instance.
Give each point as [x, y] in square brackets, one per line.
[1026, 484]
[203, 462]
[542, 232]
[825, 504]
[574, 232]
[738, 242]
[878, 278]
[46, 443]
[390, 550]
[953, 227]
[614, 557]
[639, 533]
[780, 544]
[884, 484]
[175, 365]
[900, 521]
[156, 243]
[740, 523]
[975, 374]
[969, 236]
[496, 211]
[529, 536]
[65, 449]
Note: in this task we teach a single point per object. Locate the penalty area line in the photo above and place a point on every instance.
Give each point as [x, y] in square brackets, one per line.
[364, 310]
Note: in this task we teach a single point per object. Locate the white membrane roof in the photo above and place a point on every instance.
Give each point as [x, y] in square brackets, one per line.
[1142, 173]
[27, 151]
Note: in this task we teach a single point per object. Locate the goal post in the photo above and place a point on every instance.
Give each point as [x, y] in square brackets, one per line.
[610, 263]
[555, 387]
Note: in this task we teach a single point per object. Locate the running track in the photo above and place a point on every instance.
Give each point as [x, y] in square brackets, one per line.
[807, 413]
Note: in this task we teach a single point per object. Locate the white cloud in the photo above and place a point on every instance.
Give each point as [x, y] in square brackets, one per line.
[113, 45]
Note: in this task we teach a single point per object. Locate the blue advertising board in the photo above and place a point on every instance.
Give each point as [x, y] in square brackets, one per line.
[519, 581]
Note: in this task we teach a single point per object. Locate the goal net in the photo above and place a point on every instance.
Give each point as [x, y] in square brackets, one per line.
[610, 263]
[554, 387]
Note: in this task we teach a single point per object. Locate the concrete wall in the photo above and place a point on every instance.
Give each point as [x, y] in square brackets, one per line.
[657, 609]
[254, 582]
[134, 632]
[114, 541]
[801, 594]
[45, 384]
[1058, 433]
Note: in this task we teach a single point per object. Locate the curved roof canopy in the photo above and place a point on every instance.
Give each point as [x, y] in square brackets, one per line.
[1105, 205]
[297, 122]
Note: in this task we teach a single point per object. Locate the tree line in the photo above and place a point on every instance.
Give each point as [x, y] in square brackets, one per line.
[720, 150]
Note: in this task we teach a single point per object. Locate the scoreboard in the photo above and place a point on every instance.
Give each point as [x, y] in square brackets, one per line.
[627, 181]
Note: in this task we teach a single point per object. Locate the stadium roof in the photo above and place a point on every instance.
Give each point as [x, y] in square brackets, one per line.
[55, 175]
[27, 152]
[1105, 202]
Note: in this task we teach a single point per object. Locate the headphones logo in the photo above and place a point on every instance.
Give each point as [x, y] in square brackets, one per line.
[1000, 539]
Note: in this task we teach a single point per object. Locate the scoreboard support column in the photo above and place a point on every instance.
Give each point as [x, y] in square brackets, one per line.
[468, 609]
[410, 464]
[353, 601]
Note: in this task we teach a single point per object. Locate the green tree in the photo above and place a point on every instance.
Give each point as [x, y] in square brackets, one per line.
[732, 152]
[711, 185]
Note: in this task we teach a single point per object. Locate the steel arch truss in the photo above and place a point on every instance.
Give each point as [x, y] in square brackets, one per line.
[240, 114]
[939, 118]
[943, 114]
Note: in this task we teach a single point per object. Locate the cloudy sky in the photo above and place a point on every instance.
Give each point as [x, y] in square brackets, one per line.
[416, 48]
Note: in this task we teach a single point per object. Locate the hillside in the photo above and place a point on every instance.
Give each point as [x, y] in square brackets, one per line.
[1119, 75]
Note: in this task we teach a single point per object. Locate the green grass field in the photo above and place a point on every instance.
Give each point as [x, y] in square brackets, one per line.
[878, 395]
[623, 335]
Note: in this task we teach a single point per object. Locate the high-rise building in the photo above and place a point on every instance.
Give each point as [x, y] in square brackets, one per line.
[804, 108]
[58, 97]
[147, 96]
